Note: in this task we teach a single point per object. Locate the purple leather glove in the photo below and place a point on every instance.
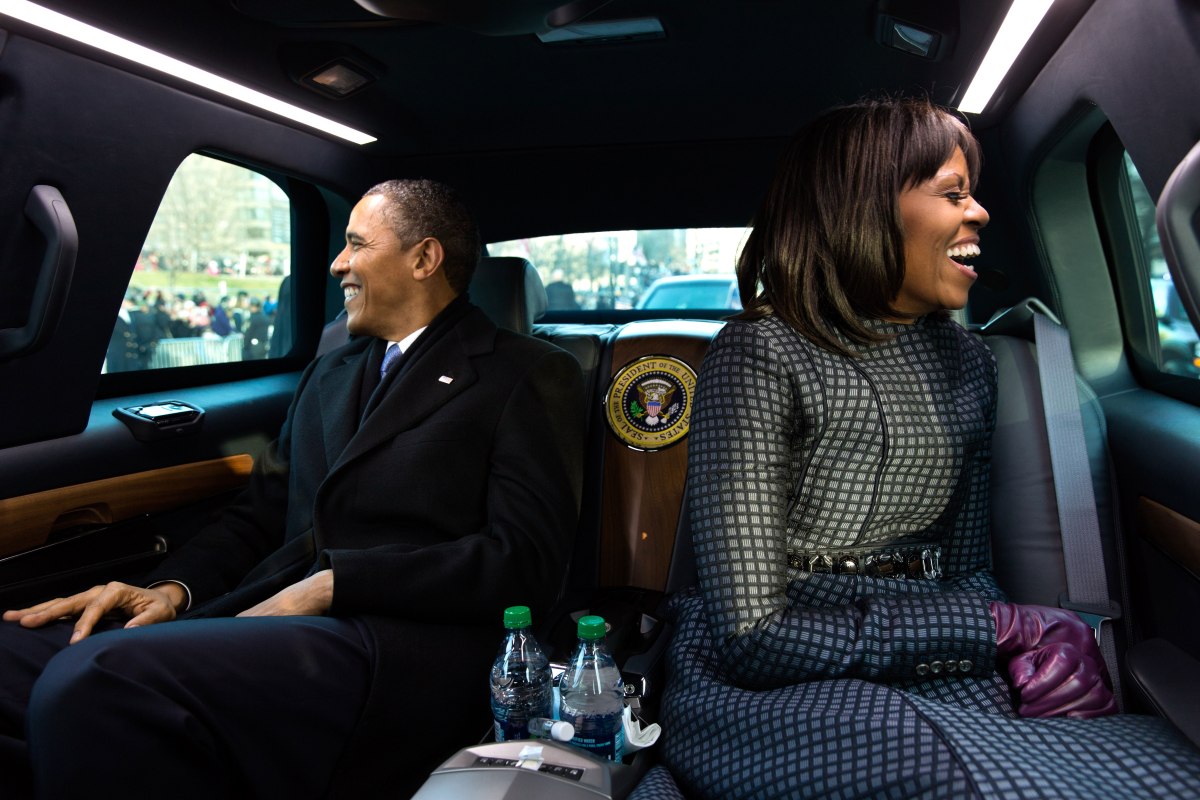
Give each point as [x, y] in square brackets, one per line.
[1055, 665]
[1020, 628]
[1057, 680]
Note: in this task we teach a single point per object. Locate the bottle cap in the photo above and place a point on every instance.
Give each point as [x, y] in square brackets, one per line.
[562, 731]
[591, 627]
[517, 617]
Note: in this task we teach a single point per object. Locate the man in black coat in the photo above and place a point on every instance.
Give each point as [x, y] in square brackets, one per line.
[367, 563]
[257, 332]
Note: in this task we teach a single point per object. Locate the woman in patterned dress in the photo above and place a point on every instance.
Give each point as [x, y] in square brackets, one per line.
[846, 637]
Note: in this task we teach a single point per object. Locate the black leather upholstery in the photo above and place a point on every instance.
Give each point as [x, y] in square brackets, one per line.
[1026, 543]
[1167, 678]
[334, 334]
[510, 292]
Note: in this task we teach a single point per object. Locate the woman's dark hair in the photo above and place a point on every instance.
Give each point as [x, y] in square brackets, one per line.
[418, 208]
[827, 246]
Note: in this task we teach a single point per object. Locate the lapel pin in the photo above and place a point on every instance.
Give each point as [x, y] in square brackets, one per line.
[446, 379]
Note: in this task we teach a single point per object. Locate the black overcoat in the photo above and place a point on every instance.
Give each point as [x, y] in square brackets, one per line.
[454, 496]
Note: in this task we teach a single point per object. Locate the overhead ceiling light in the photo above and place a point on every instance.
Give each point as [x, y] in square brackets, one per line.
[1022, 19]
[95, 37]
[923, 28]
[339, 79]
[911, 39]
[604, 31]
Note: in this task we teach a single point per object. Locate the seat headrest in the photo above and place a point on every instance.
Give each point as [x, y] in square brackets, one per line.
[510, 292]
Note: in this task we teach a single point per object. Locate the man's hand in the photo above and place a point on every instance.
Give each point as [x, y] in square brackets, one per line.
[311, 596]
[143, 606]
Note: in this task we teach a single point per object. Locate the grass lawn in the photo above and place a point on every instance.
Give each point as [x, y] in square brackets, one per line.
[213, 286]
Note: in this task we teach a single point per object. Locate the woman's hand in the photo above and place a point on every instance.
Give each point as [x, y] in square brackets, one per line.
[1055, 666]
[1057, 680]
[143, 606]
[1020, 628]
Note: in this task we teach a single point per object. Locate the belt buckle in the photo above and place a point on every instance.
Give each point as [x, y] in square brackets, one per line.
[1094, 614]
[931, 562]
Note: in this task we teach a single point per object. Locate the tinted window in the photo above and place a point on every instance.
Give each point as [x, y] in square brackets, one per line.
[691, 291]
[1176, 335]
[206, 287]
[616, 269]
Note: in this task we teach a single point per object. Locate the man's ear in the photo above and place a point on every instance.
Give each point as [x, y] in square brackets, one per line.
[430, 255]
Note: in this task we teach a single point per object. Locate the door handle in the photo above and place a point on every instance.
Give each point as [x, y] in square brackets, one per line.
[49, 213]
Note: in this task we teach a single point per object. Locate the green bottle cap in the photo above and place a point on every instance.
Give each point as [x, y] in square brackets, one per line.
[517, 617]
[591, 627]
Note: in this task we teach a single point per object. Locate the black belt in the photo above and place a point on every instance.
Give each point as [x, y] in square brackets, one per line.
[920, 562]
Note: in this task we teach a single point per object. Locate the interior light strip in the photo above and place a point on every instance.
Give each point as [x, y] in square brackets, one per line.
[81, 32]
[1022, 19]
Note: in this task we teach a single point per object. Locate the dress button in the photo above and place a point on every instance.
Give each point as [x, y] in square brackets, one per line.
[951, 665]
[922, 670]
[936, 667]
[965, 665]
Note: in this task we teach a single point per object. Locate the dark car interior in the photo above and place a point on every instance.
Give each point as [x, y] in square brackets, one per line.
[597, 116]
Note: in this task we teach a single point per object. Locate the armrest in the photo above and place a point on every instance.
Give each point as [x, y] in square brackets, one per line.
[1170, 680]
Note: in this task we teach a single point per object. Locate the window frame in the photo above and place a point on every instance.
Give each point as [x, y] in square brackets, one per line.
[310, 218]
[1116, 217]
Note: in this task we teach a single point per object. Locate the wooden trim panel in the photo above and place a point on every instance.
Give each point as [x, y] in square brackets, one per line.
[27, 521]
[1173, 533]
[643, 491]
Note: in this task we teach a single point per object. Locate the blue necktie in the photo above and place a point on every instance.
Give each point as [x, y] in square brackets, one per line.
[389, 358]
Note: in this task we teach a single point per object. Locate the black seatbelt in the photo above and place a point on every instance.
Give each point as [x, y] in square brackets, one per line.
[1083, 551]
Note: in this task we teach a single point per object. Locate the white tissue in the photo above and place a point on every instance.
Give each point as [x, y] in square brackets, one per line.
[530, 757]
[637, 737]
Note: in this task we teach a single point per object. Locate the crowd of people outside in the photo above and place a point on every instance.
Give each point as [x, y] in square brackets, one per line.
[147, 317]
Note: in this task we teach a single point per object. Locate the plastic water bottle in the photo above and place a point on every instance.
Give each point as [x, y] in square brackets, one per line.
[546, 728]
[593, 699]
[520, 678]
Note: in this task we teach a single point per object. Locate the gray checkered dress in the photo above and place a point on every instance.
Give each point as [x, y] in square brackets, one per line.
[793, 683]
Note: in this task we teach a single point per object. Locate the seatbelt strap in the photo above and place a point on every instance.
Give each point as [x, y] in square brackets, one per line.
[1083, 551]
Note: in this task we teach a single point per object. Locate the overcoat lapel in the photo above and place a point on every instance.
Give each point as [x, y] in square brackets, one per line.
[425, 385]
[339, 393]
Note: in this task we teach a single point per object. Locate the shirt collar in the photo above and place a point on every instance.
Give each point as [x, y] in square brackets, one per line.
[407, 341]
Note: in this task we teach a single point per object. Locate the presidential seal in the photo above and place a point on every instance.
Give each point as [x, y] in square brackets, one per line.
[649, 402]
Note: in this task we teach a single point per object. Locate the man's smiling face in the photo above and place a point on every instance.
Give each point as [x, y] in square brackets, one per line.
[376, 273]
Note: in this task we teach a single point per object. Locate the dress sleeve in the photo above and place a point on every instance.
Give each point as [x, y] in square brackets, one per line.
[967, 565]
[770, 631]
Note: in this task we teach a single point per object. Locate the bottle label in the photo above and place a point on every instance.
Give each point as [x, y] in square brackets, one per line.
[602, 736]
[511, 722]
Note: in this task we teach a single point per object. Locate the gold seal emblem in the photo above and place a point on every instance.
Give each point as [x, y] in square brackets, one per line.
[649, 402]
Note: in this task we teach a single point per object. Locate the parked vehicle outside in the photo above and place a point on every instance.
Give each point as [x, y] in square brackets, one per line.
[689, 292]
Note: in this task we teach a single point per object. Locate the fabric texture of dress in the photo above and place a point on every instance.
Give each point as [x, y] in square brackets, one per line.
[789, 681]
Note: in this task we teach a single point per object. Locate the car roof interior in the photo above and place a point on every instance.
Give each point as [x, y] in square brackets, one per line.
[680, 127]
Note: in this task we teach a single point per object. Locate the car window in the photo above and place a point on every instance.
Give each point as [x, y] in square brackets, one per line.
[1179, 354]
[692, 291]
[634, 269]
[211, 283]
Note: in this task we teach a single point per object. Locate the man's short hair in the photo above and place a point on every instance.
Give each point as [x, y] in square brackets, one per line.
[420, 208]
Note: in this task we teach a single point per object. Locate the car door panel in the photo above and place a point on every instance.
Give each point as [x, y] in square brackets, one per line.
[80, 505]
[1155, 444]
